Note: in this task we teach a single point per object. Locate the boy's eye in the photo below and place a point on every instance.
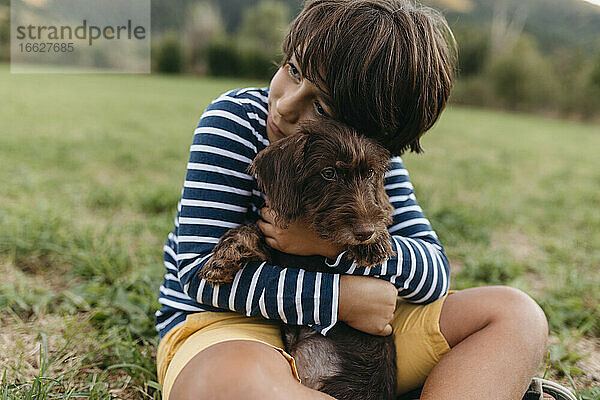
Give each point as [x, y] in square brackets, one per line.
[320, 110]
[294, 71]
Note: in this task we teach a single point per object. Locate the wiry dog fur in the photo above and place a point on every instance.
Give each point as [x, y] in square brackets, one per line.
[331, 177]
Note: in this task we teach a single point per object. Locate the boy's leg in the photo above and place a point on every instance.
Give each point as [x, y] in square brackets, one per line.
[239, 369]
[497, 337]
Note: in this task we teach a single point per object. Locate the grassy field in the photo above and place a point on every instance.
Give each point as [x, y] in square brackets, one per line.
[91, 168]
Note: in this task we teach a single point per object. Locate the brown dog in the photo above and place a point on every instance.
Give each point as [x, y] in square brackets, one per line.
[332, 178]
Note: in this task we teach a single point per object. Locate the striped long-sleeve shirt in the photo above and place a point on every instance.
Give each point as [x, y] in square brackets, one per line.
[218, 194]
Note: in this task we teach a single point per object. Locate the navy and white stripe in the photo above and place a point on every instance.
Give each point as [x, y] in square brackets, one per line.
[219, 194]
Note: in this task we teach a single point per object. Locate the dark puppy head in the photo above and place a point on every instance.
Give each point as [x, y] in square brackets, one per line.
[332, 177]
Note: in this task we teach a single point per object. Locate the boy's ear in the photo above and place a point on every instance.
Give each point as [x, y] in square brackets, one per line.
[278, 170]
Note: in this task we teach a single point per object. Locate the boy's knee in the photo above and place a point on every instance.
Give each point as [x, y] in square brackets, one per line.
[523, 314]
[510, 310]
[517, 303]
[228, 370]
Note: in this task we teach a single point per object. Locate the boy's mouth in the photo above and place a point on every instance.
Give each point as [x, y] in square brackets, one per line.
[274, 127]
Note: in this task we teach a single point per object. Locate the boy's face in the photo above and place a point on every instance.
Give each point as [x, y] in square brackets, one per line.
[293, 99]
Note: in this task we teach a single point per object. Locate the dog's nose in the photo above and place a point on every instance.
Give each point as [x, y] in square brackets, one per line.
[363, 232]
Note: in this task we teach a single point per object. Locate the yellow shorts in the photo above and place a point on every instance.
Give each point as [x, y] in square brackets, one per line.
[419, 343]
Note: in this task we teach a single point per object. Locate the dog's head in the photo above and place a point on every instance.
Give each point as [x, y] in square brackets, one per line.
[332, 177]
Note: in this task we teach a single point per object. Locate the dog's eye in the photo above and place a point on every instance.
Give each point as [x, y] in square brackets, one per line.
[328, 174]
[370, 173]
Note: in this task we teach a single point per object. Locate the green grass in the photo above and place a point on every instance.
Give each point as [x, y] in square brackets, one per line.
[91, 167]
[515, 200]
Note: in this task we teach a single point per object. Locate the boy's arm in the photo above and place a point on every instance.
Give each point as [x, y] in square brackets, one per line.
[420, 269]
[217, 196]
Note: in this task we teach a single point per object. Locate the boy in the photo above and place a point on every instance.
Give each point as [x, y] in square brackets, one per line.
[384, 68]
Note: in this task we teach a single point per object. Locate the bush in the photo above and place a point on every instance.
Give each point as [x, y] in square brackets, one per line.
[265, 25]
[222, 58]
[589, 97]
[581, 91]
[476, 90]
[473, 49]
[523, 79]
[169, 55]
[595, 74]
[251, 52]
[257, 63]
[229, 58]
[4, 33]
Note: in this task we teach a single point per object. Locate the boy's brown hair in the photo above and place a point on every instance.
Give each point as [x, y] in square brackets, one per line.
[385, 66]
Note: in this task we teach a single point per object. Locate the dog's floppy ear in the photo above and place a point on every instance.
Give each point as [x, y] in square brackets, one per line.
[382, 164]
[278, 170]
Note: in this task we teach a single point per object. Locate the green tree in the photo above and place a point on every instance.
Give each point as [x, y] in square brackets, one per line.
[203, 25]
[595, 75]
[264, 26]
[522, 78]
[473, 48]
[4, 33]
[587, 91]
[255, 47]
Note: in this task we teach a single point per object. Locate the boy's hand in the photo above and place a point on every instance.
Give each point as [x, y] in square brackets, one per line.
[296, 239]
[367, 304]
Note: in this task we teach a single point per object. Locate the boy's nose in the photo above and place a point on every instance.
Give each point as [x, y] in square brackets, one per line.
[291, 106]
[288, 108]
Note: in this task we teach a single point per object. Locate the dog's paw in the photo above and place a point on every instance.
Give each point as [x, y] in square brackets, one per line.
[234, 250]
[229, 256]
[217, 271]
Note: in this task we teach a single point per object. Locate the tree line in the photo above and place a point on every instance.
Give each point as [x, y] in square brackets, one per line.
[501, 64]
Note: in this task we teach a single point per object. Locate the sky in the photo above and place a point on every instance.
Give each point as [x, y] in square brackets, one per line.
[597, 2]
